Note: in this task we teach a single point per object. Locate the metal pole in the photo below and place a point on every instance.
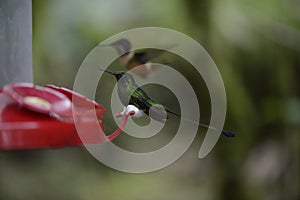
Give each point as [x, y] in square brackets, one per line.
[15, 41]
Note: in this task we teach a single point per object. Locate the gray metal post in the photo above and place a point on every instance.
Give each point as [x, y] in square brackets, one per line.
[15, 41]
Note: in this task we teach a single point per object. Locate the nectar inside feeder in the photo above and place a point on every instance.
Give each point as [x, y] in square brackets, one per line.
[39, 99]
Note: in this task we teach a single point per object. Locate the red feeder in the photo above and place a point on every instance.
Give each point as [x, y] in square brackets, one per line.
[82, 103]
[38, 117]
[39, 99]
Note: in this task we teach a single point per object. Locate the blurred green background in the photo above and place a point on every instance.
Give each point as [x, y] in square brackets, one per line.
[256, 46]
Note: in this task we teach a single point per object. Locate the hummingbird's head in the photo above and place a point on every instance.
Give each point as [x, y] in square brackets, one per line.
[118, 75]
[125, 76]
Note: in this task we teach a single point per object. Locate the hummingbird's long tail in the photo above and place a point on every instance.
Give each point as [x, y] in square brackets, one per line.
[224, 132]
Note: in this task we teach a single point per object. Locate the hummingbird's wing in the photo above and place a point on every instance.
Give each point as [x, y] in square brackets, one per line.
[142, 101]
[139, 99]
[148, 55]
[141, 57]
[140, 65]
[155, 110]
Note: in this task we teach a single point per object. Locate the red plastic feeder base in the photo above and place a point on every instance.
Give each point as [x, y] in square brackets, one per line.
[41, 117]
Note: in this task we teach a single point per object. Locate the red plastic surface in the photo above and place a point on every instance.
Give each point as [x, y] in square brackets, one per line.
[38, 98]
[82, 103]
[24, 126]
[24, 129]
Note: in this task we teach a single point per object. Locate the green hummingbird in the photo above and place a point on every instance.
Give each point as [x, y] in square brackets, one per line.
[131, 94]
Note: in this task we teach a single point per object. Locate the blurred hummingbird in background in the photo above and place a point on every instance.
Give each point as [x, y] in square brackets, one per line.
[131, 94]
[131, 60]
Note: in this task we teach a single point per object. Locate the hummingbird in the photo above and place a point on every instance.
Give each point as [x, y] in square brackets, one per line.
[131, 60]
[131, 94]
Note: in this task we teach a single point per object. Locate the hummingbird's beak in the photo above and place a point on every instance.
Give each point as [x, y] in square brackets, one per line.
[107, 71]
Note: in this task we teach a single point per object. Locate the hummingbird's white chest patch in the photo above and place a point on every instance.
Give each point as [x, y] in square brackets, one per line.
[130, 109]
